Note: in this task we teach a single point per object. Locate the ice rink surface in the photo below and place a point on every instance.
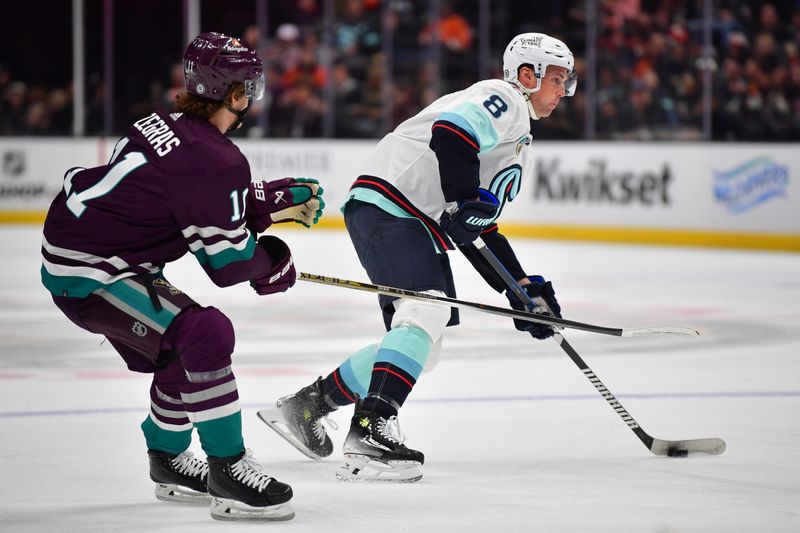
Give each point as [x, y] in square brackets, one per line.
[515, 437]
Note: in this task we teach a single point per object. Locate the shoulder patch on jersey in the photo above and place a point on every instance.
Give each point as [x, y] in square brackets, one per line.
[526, 140]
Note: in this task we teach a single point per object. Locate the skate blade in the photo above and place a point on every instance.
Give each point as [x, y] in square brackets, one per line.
[368, 469]
[232, 510]
[175, 493]
[274, 419]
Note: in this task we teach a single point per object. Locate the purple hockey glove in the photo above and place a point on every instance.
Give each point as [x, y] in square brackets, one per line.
[284, 200]
[282, 275]
[537, 288]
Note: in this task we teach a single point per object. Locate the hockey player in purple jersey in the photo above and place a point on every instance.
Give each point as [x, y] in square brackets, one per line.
[176, 184]
[444, 174]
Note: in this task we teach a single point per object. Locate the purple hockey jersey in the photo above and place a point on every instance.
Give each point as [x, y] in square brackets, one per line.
[174, 184]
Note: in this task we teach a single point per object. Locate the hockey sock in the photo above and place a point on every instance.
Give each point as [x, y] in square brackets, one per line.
[167, 429]
[204, 338]
[213, 408]
[398, 363]
[164, 440]
[352, 378]
[221, 437]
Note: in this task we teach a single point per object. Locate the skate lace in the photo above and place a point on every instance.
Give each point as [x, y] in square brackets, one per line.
[319, 428]
[390, 430]
[249, 472]
[187, 463]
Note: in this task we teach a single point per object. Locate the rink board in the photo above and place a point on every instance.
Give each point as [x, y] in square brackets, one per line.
[722, 195]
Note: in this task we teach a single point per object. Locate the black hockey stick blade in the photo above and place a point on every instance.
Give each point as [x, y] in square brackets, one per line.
[502, 311]
[682, 448]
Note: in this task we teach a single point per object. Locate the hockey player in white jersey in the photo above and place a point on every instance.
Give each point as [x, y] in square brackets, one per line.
[442, 176]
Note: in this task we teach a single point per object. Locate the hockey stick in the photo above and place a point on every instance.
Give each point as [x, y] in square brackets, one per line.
[522, 315]
[672, 448]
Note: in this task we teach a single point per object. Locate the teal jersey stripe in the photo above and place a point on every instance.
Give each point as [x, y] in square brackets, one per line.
[141, 303]
[73, 286]
[375, 198]
[461, 122]
[227, 256]
[481, 124]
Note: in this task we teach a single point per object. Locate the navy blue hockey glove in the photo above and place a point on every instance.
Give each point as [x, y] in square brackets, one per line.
[537, 288]
[282, 274]
[472, 217]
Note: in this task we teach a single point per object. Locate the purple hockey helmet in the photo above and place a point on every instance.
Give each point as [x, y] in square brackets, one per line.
[215, 61]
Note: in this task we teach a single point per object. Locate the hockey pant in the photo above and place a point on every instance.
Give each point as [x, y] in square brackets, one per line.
[158, 329]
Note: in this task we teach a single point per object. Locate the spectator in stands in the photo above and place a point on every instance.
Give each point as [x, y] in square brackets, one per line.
[307, 16]
[14, 109]
[347, 96]
[286, 51]
[356, 35]
[365, 113]
[454, 35]
[299, 106]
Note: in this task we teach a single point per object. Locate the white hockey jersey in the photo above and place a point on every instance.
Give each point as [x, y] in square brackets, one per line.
[496, 115]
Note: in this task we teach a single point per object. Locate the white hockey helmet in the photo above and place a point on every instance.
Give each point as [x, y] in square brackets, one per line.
[538, 51]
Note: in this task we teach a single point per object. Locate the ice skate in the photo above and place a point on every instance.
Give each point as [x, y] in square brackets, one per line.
[242, 491]
[299, 418]
[374, 451]
[179, 478]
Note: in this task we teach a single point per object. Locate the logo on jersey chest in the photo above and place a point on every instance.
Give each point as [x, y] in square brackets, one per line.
[505, 187]
[505, 184]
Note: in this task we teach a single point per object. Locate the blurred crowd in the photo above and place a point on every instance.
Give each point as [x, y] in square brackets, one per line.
[351, 91]
[651, 65]
[648, 81]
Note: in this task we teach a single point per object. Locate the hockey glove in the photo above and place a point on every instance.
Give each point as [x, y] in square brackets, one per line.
[284, 200]
[282, 274]
[471, 218]
[537, 288]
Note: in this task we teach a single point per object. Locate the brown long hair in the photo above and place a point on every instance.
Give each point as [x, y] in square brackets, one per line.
[191, 104]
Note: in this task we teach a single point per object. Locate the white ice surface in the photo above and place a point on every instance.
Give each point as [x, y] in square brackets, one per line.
[515, 437]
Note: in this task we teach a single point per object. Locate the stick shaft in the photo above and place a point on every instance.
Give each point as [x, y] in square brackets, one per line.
[453, 302]
[523, 296]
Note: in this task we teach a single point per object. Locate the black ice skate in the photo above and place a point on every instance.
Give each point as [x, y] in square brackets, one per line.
[179, 478]
[374, 451]
[298, 418]
[242, 491]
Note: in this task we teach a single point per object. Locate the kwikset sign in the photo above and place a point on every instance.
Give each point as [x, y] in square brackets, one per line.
[600, 183]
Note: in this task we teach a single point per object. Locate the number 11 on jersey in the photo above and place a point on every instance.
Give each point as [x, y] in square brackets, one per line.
[238, 210]
[76, 202]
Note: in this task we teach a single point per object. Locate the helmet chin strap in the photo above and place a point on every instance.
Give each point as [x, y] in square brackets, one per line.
[526, 93]
[527, 96]
[239, 115]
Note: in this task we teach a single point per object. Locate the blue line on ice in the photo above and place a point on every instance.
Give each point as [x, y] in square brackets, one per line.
[486, 399]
